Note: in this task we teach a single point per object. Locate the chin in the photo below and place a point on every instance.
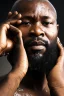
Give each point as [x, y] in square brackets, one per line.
[36, 61]
[35, 56]
[43, 60]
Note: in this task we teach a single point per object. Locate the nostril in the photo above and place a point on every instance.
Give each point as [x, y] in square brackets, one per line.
[42, 34]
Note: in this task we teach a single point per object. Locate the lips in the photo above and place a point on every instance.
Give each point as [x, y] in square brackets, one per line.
[36, 45]
[39, 47]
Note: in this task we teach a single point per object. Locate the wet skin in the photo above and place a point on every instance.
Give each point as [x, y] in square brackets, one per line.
[39, 29]
[38, 20]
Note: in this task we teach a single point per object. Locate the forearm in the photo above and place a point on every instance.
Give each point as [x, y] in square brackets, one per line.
[10, 85]
[56, 91]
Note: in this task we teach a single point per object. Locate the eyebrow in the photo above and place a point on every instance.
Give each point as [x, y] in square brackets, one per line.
[28, 17]
[33, 18]
[46, 17]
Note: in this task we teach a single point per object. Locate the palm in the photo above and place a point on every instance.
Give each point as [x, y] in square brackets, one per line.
[56, 75]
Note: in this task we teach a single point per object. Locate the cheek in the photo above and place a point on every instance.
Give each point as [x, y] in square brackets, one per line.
[52, 33]
[25, 31]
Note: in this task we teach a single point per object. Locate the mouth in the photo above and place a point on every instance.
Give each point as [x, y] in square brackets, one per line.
[36, 43]
[36, 47]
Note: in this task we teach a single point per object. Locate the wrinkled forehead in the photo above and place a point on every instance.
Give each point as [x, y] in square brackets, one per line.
[35, 8]
[44, 9]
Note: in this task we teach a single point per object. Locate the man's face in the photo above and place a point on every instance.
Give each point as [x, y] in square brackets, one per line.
[39, 30]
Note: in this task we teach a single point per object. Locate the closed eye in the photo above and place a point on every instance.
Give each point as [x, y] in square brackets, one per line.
[26, 23]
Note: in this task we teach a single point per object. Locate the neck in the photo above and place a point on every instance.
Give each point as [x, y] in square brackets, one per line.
[34, 79]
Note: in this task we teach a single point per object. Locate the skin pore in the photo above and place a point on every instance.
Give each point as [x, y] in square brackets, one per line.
[39, 30]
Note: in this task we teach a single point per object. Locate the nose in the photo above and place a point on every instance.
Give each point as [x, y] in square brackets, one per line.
[37, 30]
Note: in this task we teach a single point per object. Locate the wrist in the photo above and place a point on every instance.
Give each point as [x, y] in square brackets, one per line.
[14, 79]
[17, 74]
[56, 91]
[56, 88]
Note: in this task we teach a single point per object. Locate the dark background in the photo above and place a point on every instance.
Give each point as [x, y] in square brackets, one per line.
[5, 6]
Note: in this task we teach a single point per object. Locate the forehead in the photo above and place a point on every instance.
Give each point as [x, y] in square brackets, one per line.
[35, 8]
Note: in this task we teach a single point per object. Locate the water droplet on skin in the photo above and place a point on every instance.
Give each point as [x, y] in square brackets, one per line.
[16, 94]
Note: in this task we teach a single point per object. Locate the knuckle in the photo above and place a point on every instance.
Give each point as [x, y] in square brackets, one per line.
[9, 44]
[5, 26]
[10, 13]
[15, 12]
[19, 15]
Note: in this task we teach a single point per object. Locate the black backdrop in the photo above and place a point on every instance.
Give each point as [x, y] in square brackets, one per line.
[5, 6]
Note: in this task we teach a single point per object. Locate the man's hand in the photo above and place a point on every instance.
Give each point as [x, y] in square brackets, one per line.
[56, 75]
[6, 43]
[11, 41]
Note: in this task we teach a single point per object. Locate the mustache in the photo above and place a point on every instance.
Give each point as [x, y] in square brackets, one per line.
[36, 41]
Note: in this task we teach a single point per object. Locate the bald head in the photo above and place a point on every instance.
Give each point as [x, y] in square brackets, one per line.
[26, 5]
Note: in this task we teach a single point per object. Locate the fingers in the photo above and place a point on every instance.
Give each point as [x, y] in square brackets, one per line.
[5, 43]
[60, 46]
[60, 60]
[5, 51]
[16, 31]
[9, 45]
[3, 37]
[14, 18]
[9, 14]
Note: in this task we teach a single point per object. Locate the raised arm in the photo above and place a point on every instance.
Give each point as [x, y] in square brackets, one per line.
[17, 54]
[56, 75]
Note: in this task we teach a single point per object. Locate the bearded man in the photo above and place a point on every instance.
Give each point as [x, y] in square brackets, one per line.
[36, 54]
